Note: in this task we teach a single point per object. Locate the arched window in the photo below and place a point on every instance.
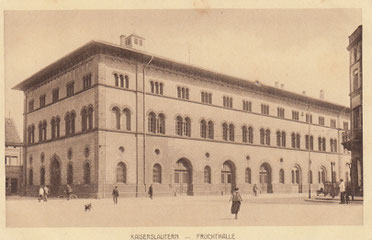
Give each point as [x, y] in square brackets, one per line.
[30, 177]
[203, 128]
[84, 116]
[183, 93]
[281, 176]
[70, 174]
[58, 121]
[72, 123]
[187, 93]
[127, 119]
[324, 144]
[44, 130]
[319, 143]
[126, 81]
[86, 173]
[179, 124]
[152, 122]
[161, 88]
[293, 140]
[331, 144]
[262, 136]
[250, 135]
[293, 176]
[267, 137]
[33, 133]
[335, 145]
[53, 128]
[224, 131]
[116, 79]
[152, 86]
[179, 92]
[248, 175]
[116, 116]
[121, 173]
[42, 176]
[298, 139]
[156, 174]
[311, 143]
[244, 134]
[40, 131]
[156, 87]
[90, 118]
[121, 80]
[231, 132]
[284, 140]
[210, 130]
[161, 119]
[278, 138]
[207, 174]
[187, 127]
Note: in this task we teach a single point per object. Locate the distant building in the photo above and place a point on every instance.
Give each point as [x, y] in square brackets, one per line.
[13, 159]
[108, 114]
[353, 140]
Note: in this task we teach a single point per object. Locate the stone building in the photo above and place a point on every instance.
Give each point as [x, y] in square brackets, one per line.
[108, 114]
[13, 159]
[353, 140]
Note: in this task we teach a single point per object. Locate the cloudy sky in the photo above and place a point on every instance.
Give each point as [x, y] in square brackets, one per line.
[303, 49]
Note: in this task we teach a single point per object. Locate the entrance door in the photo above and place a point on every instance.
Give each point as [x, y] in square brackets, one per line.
[14, 185]
[55, 176]
[265, 178]
[297, 179]
[183, 177]
[228, 177]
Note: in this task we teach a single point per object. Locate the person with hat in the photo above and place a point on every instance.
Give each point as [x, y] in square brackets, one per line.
[236, 201]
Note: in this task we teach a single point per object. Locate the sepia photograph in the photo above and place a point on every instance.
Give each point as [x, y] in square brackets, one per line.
[183, 118]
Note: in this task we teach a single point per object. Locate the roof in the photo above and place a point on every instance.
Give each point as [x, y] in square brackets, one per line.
[100, 47]
[11, 134]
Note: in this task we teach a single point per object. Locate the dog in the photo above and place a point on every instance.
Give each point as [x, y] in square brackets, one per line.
[88, 207]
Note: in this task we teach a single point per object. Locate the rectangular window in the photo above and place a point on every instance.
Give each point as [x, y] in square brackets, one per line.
[295, 115]
[70, 89]
[228, 102]
[265, 109]
[42, 100]
[31, 105]
[309, 118]
[183, 92]
[356, 118]
[206, 97]
[7, 160]
[247, 106]
[280, 112]
[87, 81]
[355, 80]
[333, 123]
[321, 121]
[346, 126]
[55, 95]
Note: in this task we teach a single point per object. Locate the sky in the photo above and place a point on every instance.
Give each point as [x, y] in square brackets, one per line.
[304, 49]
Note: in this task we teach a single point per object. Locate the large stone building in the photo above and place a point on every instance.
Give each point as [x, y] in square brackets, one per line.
[13, 159]
[108, 114]
[353, 140]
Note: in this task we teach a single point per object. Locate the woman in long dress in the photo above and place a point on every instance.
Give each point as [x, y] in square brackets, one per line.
[236, 201]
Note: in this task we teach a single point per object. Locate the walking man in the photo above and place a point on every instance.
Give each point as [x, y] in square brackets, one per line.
[255, 189]
[342, 191]
[41, 193]
[150, 191]
[115, 195]
[46, 193]
[236, 201]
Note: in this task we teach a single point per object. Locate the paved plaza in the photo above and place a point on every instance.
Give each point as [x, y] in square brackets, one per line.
[264, 210]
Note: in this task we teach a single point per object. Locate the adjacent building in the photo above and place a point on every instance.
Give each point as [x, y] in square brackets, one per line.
[111, 115]
[13, 159]
[353, 139]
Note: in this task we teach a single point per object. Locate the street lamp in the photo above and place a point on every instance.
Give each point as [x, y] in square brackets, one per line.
[308, 147]
[332, 178]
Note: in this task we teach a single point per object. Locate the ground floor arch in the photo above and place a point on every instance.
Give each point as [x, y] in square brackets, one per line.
[266, 178]
[296, 174]
[228, 176]
[183, 177]
[55, 175]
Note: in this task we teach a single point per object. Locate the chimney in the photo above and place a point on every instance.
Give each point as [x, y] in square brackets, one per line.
[122, 40]
[282, 86]
[277, 84]
[321, 94]
[304, 92]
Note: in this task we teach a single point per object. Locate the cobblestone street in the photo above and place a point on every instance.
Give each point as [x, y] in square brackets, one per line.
[269, 210]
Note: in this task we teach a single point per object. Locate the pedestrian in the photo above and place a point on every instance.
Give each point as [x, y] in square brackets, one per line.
[41, 193]
[115, 195]
[236, 201]
[150, 191]
[255, 189]
[46, 193]
[68, 191]
[342, 191]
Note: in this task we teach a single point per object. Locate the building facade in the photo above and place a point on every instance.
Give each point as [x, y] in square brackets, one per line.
[108, 115]
[353, 139]
[13, 159]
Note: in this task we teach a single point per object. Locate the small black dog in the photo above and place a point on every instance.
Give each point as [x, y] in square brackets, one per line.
[88, 207]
